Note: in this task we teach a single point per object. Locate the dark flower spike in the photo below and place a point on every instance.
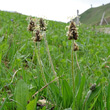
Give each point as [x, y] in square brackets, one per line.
[42, 25]
[72, 33]
[38, 36]
[76, 47]
[31, 26]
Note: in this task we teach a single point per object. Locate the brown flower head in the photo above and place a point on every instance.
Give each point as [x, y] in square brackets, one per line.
[38, 36]
[76, 47]
[31, 26]
[93, 87]
[42, 25]
[72, 33]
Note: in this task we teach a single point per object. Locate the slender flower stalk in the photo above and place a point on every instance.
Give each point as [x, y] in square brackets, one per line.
[72, 64]
[72, 33]
[49, 56]
[37, 32]
[76, 48]
[31, 27]
[38, 37]
[46, 86]
[39, 60]
[43, 29]
[77, 60]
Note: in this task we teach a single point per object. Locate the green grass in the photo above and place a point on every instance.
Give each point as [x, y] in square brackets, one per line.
[16, 52]
[93, 16]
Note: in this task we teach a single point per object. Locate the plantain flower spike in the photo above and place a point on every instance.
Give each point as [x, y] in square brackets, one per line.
[38, 36]
[31, 26]
[42, 25]
[72, 32]
[76, 47]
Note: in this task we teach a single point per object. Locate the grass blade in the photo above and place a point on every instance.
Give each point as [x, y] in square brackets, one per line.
[67, 94]
[93, 95]
[108, 97]
[79, 94]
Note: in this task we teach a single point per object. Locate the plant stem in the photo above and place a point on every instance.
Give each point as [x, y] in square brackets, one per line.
[50, 60]
[40, 64]
[72, 58]
[14, 76]
[77, 60]
[39, 60]
[46, 85]
[33, 51]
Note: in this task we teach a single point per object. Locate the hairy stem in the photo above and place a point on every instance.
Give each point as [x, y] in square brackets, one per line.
[46, 86]
[50, 60]
[72, 58]
[39, 60]
[33, 51]
[77, 60]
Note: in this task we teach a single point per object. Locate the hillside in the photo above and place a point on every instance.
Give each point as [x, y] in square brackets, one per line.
[26, 72]
[94, 15]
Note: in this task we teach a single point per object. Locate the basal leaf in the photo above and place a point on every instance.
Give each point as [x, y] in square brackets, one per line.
[78, 98]
[21, 95]
[31, 105]
[94, 94]
[66, 94]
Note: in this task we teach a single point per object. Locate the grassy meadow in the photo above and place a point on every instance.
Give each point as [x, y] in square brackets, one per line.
[25, 67]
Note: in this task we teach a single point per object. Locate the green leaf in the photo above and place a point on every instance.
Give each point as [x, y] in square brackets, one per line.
[77, 80]
[31, 105]
[0, 57]
[44, 108]
[1, 108]
[79, 94]
[56, 93]
[21, 95]
[1, 38]
[108, 97]
[67, 94]
[94, 94]
[68, 109]
[94, 102]
[19, 56]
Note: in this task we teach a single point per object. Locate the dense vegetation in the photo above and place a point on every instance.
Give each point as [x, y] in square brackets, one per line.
[21, 76]
[93, 15]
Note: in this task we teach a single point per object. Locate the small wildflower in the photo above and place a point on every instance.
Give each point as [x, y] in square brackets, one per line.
[72, 33]
[38, 36]
[76, 47]
[12, 20]
[31, 26]
[42, 25]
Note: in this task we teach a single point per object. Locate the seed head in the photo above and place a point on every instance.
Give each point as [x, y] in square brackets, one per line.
[38, 36]
[93, 87]
[31, 26]
[76, 47]
[42, 25]
[72, 32]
